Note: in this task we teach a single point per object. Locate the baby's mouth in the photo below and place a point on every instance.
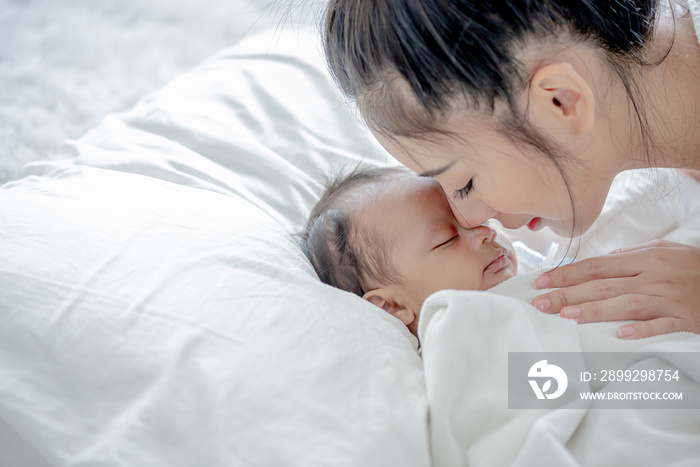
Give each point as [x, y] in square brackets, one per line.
[499, 261]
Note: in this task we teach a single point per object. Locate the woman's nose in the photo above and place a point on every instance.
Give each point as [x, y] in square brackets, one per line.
[471, 213]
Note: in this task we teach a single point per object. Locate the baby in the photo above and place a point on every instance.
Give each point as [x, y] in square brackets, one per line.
[389, 236]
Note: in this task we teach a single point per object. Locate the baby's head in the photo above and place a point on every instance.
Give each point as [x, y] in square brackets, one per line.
[389, 236]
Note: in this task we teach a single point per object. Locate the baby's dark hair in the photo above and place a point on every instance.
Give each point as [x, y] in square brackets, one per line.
[344, 253]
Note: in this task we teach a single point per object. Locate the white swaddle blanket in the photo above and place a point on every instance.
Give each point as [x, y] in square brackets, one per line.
[466, 337]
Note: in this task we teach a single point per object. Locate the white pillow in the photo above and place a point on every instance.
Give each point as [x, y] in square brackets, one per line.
[262, 120]
[156, 309]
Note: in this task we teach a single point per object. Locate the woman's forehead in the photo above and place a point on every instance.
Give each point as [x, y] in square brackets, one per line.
[427, 159]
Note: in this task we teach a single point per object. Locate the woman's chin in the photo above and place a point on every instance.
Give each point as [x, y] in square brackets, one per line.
[563, 229]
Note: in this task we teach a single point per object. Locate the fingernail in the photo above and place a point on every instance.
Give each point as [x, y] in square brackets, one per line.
[571, 313]
[542, 303]
[542, 282]
[625, 331]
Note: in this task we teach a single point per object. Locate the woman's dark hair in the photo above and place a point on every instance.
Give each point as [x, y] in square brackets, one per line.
[443, 47]
[410, 63]
[342, 254]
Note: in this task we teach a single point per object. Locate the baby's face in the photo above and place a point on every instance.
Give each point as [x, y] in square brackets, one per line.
[428, 246]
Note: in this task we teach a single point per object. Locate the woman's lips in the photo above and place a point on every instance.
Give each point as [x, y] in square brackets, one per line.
[500, 261]
[535, 224]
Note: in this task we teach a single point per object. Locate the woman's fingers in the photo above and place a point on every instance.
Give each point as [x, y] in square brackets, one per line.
[623, 262]
[654, 327]
[657, 283]
[588, 292]
[648, 310]
[601, 267]
[646, 246]
[619, 308]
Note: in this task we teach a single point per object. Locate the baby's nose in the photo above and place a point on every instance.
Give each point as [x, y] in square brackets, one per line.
[483, 234]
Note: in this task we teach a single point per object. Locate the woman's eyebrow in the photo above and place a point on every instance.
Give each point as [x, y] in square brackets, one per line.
[436, 172]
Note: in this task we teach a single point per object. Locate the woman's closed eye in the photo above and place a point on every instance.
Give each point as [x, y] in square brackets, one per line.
[447, 242]
[464, 192]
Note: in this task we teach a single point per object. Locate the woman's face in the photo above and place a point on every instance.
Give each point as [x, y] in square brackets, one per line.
[489, 177]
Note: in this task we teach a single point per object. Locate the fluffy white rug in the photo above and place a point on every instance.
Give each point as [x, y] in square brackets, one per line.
[65, 65]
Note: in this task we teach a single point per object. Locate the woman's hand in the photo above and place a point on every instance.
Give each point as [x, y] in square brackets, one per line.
[657, 283]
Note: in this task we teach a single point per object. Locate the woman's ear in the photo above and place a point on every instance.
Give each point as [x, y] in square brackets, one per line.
[386, 300]
[560, 98]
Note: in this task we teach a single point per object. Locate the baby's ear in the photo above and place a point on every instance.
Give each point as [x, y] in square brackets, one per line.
[384, 300]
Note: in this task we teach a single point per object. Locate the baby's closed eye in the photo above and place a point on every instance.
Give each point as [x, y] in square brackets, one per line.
[447, 242]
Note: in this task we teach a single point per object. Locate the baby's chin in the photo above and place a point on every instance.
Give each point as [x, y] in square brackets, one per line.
[509, 271]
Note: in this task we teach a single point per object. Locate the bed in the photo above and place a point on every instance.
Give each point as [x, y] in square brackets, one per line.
[157, 310]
